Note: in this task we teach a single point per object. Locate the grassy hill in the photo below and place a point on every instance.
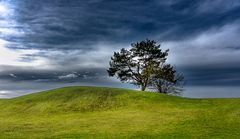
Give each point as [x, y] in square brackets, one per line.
[96, 112]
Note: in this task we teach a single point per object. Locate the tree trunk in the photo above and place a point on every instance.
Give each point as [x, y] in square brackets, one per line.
[159, 88]
[143, 87]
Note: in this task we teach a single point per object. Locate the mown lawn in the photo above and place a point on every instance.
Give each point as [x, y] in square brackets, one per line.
[99, 113]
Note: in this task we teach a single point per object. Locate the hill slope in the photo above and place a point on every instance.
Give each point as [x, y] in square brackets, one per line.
[95, 112]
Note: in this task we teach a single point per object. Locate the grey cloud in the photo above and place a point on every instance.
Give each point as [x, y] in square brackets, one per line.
[212, 92]
[68, 76]
[15, 74]
[214, 46]
[210, 58]
[210, 76]
[217, 6]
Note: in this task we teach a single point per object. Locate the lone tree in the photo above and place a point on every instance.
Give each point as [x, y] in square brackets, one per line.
[142, 65]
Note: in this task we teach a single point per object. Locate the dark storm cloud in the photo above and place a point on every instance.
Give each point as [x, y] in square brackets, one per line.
[63, 24]
[79, 37]
[211, 57]
[29, 74]
[209, 75]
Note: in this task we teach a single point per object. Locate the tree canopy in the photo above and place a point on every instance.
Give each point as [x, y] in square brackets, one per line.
[143, 65]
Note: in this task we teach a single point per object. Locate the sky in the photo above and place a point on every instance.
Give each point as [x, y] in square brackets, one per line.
[46, 44]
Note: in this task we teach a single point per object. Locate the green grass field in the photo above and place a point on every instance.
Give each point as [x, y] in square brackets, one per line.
[99, 113]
